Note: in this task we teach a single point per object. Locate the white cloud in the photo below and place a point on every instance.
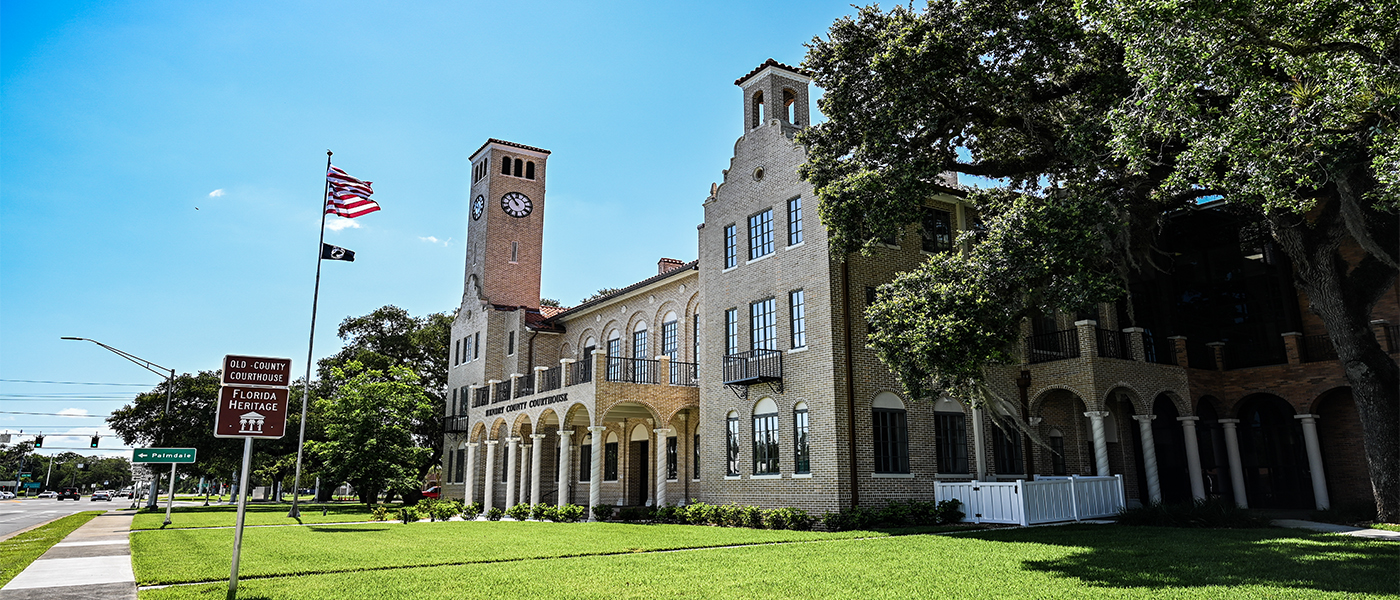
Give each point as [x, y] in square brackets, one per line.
[74, 412]
[216, 193]
[337, 224]
[433, 240]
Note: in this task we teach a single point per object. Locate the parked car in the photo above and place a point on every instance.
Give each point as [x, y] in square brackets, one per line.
[433, 492]
[70, 492]
[48, 494]
[101, 495]
[7, 495]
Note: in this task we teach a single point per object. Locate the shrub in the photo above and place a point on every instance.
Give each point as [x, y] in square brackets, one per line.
[519, 512]
[775, 519]
[669, 514]
[603, 512]
[1214, 513]
[471, 511]
[408, 514]
[787, 518]
[751, 517]
[699, 513]
[633, 514]
[896, 514]
[542, 511]
[949, 511]
[728, 515]
[379, 513]
[570, 513]
[494, 514]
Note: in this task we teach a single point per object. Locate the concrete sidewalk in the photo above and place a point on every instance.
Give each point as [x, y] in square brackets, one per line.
[1375, 534]
[92, 562]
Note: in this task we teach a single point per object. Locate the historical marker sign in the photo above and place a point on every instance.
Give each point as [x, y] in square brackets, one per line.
[162, 455]
[257, 370]
[248, 411]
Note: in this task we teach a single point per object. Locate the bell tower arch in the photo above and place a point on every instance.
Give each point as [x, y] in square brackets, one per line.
[505, 230]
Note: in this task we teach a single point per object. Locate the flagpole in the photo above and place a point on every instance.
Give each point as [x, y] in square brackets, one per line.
[306, 389]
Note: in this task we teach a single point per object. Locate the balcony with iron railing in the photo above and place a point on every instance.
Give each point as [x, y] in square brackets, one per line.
[1317, 348]
[631, 370]
[550, 379]
[481, 397]
[753, 367]
[502, 392]
[684, 373]
[548, 385]
[1114, 344]
[1055, 345]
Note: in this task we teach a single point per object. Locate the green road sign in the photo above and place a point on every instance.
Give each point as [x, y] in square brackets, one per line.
[32, 484]
[25, 474]
[162, 455]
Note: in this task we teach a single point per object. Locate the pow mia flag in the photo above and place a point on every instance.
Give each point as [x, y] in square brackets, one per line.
[330, 252]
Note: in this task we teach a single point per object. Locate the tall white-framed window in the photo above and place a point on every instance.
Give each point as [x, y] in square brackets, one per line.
[765, 437]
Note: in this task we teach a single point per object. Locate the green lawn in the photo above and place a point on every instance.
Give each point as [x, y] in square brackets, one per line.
[184, 555]
[257, 514]
[1050, 562]
[17, 552]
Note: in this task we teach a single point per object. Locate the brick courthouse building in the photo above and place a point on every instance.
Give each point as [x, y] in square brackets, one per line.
[744, 377]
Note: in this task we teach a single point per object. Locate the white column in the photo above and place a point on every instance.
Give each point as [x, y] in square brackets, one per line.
[1319, 479]
[522, 480]
[1100, 440]
[566, 465]
[513, 458]
[661, 434]
[595, 479]
[489, 488]
[1149, 456]
[1232, 450]
[1193, 457]
[979, 453]
[470, 493]
[536, 452]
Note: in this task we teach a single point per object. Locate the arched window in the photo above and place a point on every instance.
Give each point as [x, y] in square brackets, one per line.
[802, 456]
[765, 437]
[950, 435]
[757, 110]
[505, 166]
[891, 434]
[639, 340]
[614, 351]
[789, 106]
[530, 169]
[731, 441]
[518, 165]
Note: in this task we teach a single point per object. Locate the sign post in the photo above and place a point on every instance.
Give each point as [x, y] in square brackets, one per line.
[173, 456]
[252, 404]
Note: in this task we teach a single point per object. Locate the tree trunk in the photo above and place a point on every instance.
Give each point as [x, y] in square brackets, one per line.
[1342, 295]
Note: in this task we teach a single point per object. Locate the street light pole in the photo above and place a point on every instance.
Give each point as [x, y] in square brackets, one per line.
[169, 375]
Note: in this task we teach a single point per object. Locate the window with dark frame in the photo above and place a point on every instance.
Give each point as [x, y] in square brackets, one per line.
[461, 465]
[585, 461]
[763, 328]
[761, 234]
[936, 229]
[695, 459]
[731, 331]
[1007, 450]
[668, 339]
[610, 461]
[731, 252]
[695, 338]
[765, 444]
[639, 344]
[891, 440]
[476, 350]
[557, 449]
[505, 463]
[530, 170]
[802, 455]
[797, 318]
[510, 343]
[671, 458]
[505, 166]
[1057, 455]
[950, 434]
[795, 221]
[614, 366]
[518, 164]
[732, 443]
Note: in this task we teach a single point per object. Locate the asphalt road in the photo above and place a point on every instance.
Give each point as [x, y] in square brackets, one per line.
[19, 514]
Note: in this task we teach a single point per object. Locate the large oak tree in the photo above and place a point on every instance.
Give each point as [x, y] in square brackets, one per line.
[1099, 118]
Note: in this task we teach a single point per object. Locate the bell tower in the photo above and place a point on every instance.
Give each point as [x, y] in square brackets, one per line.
[775, 91]
[506, 228]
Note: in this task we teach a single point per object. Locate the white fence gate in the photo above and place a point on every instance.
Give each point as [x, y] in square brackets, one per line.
[1045, 500]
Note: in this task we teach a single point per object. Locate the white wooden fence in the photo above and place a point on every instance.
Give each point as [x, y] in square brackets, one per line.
[1044, 500]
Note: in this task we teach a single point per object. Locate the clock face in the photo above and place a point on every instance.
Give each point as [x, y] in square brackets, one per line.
[478, 206]
[516, 205]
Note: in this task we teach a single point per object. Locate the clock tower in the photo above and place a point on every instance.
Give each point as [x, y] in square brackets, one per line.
[505, 229]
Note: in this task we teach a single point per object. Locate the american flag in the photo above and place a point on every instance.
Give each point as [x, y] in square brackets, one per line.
[348, 197]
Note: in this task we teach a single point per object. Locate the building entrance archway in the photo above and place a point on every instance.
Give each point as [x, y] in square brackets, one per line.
[1272, 454]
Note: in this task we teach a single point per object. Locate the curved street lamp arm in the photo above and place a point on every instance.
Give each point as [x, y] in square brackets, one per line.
[141, 362]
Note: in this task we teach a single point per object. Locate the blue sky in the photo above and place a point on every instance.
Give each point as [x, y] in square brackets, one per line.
[161, 165]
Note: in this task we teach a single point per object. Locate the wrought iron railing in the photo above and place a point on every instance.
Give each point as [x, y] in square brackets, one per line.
[1159, 350]
[502, 392]
[549, 379]
[481, 397]
[526, 385]
[1317, 348]
[684, 373]
[581, 371]
[631, 370]
[1114, 344]
[1056, 345]
[754, 366]
[456, 424]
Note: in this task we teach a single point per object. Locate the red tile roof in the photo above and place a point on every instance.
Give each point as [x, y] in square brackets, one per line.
[773, 63]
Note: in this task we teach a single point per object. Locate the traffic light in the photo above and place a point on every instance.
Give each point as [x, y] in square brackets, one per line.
[94, 441]
[38, 441]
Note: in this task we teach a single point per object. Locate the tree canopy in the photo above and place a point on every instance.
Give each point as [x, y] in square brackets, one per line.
[369, 429]
[1099, 118]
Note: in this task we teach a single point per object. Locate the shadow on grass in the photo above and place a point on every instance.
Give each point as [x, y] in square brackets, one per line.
[1157, 557]
[359, 529]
